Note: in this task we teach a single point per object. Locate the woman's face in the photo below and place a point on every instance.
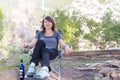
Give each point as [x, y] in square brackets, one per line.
[47, 24]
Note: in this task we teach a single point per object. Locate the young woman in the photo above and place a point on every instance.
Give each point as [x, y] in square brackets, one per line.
[46, 44]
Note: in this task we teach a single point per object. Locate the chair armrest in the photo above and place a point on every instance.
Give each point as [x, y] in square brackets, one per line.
[60, 53]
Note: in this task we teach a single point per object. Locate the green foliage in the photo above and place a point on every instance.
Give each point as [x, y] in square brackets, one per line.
[14, 49]
[1, 14]
[102, 33]
[24, 57]
[1, 25]
[111, 29]
[69, 26]
[101, 1]
[95, 33]
[58, 3]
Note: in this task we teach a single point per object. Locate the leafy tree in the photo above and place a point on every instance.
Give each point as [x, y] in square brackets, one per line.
[101, 1]
[94, 34]
[58, 3]
[69, 26]
[104, 33]
[1, 25]
[111, 29]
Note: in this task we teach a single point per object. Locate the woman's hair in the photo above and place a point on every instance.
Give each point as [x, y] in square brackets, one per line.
[49, 18]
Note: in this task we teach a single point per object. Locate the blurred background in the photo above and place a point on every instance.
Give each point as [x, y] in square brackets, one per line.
[84, 24]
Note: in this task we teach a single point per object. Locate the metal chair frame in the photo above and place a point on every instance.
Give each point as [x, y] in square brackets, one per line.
[55, 73]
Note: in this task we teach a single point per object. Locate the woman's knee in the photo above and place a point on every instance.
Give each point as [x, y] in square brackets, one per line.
[40, 43]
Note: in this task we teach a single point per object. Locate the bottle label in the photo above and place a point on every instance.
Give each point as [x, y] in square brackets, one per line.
[21, 73]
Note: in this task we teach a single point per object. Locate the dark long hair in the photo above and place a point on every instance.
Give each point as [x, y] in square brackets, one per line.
[49, 18]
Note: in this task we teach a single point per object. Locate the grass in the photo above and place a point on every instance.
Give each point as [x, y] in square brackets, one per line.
[80, 62]
[15, 62]
[2, 68]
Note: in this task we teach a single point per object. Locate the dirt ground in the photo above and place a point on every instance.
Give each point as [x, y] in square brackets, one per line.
[69, 70]
[75, 74]
[67, 73]
[8, 75]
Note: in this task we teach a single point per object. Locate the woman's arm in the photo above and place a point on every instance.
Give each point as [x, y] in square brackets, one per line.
[32, 44]
[64, 46]
[34, 41]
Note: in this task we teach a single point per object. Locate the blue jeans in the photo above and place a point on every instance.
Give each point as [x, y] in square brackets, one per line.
[43, 55]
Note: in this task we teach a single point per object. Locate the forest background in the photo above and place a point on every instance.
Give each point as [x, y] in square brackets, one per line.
[84, 24]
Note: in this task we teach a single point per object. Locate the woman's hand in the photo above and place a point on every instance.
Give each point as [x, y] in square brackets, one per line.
[67, 50]
[24, 45]
[30, 45]
[64, 47]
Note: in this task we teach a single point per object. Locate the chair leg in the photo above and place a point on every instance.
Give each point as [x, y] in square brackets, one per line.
[60, 69]
[57, 73]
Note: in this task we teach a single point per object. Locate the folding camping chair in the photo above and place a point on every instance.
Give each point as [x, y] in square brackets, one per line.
[56, 73]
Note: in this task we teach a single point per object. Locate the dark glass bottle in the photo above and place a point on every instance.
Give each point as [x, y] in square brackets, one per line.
[22, 70]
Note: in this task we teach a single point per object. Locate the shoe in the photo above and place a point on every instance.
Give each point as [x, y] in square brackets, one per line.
[43, 73]
[31, 71]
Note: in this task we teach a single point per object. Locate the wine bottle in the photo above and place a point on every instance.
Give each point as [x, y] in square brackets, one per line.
[22, 70]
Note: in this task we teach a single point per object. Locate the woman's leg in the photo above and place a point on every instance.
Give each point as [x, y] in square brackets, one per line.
[47, 55]
[36, 56]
